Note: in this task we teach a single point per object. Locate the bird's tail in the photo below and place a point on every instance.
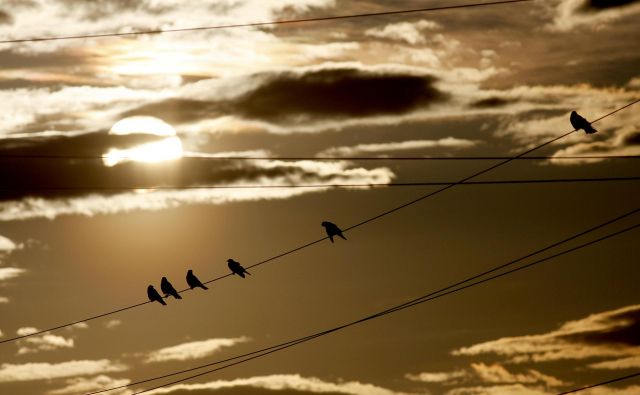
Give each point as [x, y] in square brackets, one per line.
[247, 272]
[162, 302]
[177, 296]
[203, 286]
[590, 130]
[341, 235]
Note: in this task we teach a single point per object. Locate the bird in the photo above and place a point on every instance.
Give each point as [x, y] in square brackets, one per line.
[168, 289]
[193, 281]
[237, 268]
[332, 230]
[579, 122]
[154, 296]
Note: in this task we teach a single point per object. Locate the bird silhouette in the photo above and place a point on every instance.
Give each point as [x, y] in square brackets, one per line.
[332, 230]
[237, 268]
[154, 296]
[168, 289]
[579, 122]
[193, 281]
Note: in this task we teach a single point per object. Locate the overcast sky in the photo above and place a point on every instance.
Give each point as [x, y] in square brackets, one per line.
[87, 234]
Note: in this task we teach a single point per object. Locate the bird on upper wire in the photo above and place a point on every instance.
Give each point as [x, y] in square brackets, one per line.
[168, 289]
[154, 296]
[236, 268]
[332, 230]
[579, 122]
[193, 281]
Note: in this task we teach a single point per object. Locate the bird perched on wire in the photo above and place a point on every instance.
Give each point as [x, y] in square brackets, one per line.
[579, 122]
[193, 281]
[332, 230]
[237, 268]
[154, 296]
[168, 289]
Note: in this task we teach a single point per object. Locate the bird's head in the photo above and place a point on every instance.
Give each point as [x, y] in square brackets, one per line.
[573, 113]
[229, 260]
[150, 287]
[325, 223]
[190, 271]
[164, 279]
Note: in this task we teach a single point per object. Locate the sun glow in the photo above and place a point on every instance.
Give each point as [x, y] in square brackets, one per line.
[167, 148]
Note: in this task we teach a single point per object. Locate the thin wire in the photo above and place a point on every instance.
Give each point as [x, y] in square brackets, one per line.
[370, 185]
[326, 158]
[627, 377]
[423, 299]
[267, 23]
[309, 244]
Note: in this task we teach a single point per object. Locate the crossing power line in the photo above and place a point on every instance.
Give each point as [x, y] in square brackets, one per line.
[363, 185]
[309, 244]
[266, 23]
[466, 283]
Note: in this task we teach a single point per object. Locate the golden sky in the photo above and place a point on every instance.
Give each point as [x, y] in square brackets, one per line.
[133, 116]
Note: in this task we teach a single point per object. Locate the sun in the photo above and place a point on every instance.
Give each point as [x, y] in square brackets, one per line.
[167, 148]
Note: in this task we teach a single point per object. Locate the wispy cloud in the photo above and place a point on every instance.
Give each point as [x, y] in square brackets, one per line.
[408, 32]
[47, 371]
[81, 385]
[602, 335]
[438, 377]
[375, 148]
[7, 273]
[283, 383]
[193, 350]
[44, 342]
[569, 14]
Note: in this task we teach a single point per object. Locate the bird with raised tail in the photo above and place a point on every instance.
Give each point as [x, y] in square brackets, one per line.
[579, 122]
[154, 296]
[193, 281]
[168, 289]
[332, 230]
[236, 268]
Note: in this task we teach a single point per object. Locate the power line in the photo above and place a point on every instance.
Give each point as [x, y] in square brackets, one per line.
[368, 185]
[267, 23]
[323, 158]
[309, 244]
[453, 288]
[630, 376]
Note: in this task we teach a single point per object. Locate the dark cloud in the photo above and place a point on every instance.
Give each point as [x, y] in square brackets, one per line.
[623, 334]
[246, 390]
[80, 174]
[97, 9]
[293, 98]
[13, 60]
[5, 18]
[598, 5]
[632, 138]
[492, 102]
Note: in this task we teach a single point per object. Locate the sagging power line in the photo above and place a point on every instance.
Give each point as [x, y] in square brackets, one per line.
[450, 289]
[266, 23]
[363, 222]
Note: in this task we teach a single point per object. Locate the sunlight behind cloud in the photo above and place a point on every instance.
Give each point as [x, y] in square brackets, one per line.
[165, 149]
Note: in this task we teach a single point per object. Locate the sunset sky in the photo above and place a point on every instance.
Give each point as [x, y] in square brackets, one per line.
[134, 116]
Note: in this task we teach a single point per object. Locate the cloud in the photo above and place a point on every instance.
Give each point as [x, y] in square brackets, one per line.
[112, 324]
[623, 363]
[602, 335]
[438, 377]
[6, 245]
[44, 342]
[496, 373]
[7, 273]
[47, 371]
[623, 141]
[282, 383]
[307, 95]
[4, 299]
[569, 14]
[408, 32]
[83, 385]
[515, 389]
[192, 350]
[447, 142]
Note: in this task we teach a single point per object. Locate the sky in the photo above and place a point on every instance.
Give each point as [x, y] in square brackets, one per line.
[137, 120]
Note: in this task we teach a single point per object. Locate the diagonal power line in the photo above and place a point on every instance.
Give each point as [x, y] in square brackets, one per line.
[615, 380]
[266, 23]
[309, 244]
[448, 290]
